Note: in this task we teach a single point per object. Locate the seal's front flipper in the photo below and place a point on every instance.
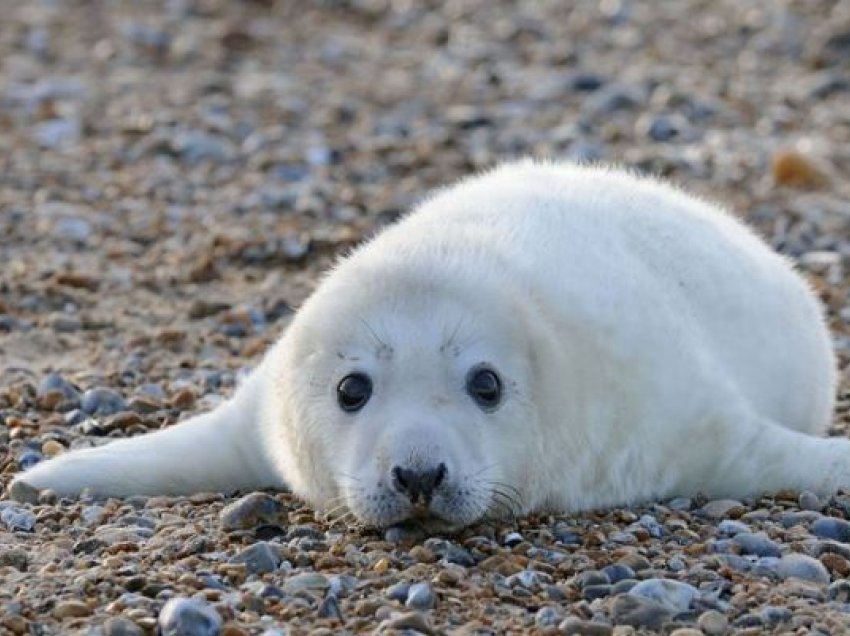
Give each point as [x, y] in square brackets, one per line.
[216, 451]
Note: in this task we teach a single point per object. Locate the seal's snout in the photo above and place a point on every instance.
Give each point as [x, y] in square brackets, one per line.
[418, 485]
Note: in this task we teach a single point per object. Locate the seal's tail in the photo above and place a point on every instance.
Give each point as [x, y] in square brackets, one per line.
[217, 451]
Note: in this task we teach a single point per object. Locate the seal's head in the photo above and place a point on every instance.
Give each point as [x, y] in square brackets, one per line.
[408, 399]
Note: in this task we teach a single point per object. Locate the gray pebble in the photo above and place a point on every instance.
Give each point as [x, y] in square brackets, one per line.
[732, 527]
[592, 577]
[591, 592]
[839, 591]
[548, 616]
[757, 544]
[771, 615]
[258, 558]
[329, 608]
[189, 617]
[310, 581]
[719, 508]
[421, 596]
[810, 501]
[252, 510]
[832, 528]
[398, 592]
[55, 382]
[637, 611]
[55, 133]
[16, 518]
[713, 623]
[802, 566]
[674, 595]
[74, 417]
[512, 539]
[119, 626]
[415, 621]
[680, 504]
[29, 458]
[617, 572]
[102, 401]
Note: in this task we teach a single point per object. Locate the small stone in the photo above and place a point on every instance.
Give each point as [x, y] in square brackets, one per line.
[732, 527]
[55, 133]
[593, 577]
[617, 572]
[102, 401]
[258, 558]
[120, 626]
[756, 543]
[14, 557]
[676, 596]
[422, 554]
[771, 615]
[802, 566]
[810, 501]
[512, 539]
[836, 563]
[548, 616]
[832, 528]
[252, 510]
[686, 631]
[183, 400]
[839, 591]
[16, 518]
[54, 383]
[573, 625]
[71, 609]
[29, 458]
[795, 170]
[713, 623]
[398, 592]
[65, 323]
[639, 612]
[720, 508]
[329, 608]
[189, 617]
[309, 581]
[15, 623]
[592, 592]
[415, 621]
[52, 448]
[421, 596]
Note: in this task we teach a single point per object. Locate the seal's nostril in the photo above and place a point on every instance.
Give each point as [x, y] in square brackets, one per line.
[418, 484]
[398, 478]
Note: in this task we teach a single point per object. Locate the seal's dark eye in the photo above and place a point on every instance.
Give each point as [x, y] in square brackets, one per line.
[484, 386]
[353, 392]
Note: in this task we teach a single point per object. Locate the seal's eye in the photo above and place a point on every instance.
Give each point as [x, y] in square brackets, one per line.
[353, 392]
[484, 386]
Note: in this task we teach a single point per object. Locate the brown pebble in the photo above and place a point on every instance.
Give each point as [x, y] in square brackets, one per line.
[15, 624]
[182, 400]
[52, 448]
[71, 609]
[422, 554]
[836, 563]
[232, 630]
[793, 169]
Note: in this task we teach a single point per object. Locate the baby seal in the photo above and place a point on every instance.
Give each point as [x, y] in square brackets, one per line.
[542, 337]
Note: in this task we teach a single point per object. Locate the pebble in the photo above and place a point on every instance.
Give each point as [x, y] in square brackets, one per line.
[794, 169]
[258, 558]
[55, 383]
[309, 581]
[15, 518]
[421, 596]
[713, 623]
[29, 458]
[415, 621]
[252, 510]
[732, 527]
[638, 611]
[52, 448]
[189, 617]
[548, 616]
[119, 626]
[757, 544]
[398, 591]
[810, 501]
[802, 566]
[71, 609]
[676, 596]
[832, 528]
[329, 608]
[720, 508]
[102, 401]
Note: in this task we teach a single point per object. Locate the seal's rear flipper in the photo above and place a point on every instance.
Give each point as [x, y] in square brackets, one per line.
[217, 451]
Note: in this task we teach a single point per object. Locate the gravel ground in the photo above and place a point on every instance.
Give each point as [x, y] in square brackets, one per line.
[175, 175]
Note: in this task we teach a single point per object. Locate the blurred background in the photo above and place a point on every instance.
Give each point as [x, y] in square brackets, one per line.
[176, 174]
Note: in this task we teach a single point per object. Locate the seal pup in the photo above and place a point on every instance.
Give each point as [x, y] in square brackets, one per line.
[542, 337]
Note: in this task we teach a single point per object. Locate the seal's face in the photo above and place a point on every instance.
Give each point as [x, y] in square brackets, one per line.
[415, 411]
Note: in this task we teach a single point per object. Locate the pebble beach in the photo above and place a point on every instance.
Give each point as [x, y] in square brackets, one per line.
[176, 176]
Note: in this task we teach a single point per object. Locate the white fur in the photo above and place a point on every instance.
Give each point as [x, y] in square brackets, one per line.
[650, 346]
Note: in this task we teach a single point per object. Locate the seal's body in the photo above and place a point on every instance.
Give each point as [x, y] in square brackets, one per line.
[541, 337]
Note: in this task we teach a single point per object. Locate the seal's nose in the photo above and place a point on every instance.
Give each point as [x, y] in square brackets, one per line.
[418, 485]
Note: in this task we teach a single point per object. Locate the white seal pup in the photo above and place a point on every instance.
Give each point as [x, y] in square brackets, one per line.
[542, 337]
